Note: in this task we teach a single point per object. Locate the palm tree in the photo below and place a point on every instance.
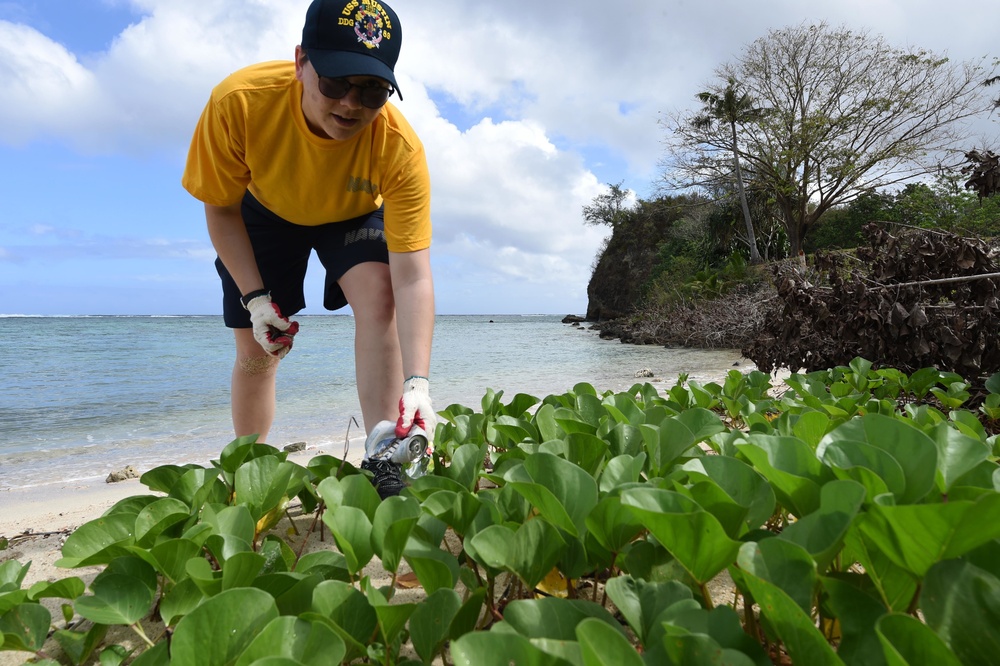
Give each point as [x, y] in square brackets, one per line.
[732, 108]
[990, 81]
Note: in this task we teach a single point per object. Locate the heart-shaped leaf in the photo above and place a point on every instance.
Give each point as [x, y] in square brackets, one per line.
[915, 537]
[98, 541]
[958, 454]
[895, 585]
[642, 602]
[79, 645]
[906, 640]
[157, 517]
[740, 482]
[171, 556]
[665, 443]
[857, 611]
[391, 617]
[573, 487]
[294, 639]
[961, 603]
[353, 532]
[791, 467]
[822, 532]
[602, 644]
[783, 564]
[620, 470]
[180, 600]
[466, 461]
[555, 619]
[691, 534]
[123, 593]
[794, 626]
[435, 568]
[431, 620]
[457, 510]
[198, 486]
[261, 483]
[218, 630]
[869, 465]
[913, 450]
[613, 525]
[241, 569]
[349, 612]
[24, 627]
[488, 648]
[394, 521]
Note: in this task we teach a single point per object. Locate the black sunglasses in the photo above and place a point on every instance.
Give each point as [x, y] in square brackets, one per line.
[372, 95]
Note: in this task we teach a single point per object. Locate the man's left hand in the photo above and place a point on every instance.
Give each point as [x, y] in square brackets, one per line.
[415, 408]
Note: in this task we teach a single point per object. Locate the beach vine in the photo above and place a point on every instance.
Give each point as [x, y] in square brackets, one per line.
[850, 514]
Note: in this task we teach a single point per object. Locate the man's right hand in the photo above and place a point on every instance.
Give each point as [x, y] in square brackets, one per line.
[271, 329]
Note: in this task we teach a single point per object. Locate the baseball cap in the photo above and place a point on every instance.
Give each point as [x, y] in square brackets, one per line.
[352, 38]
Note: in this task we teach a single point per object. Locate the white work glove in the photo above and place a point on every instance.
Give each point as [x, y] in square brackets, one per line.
[271, 328]
[415, 408]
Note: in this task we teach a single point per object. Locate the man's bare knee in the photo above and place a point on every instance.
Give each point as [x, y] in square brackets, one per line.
[254, 366]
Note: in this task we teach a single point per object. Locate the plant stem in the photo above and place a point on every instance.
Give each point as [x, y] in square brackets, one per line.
[707, 596]
[291, 522]
[914, 602]
[312, 527]
[142, 634]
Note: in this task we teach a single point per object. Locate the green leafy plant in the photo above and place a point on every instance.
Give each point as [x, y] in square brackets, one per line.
[846, 518]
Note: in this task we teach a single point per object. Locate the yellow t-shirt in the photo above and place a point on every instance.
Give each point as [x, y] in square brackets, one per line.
[253, 135]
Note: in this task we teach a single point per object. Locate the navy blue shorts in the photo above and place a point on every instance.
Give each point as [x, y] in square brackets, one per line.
[282, 251]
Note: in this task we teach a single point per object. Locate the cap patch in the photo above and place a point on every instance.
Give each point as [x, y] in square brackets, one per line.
[370, 21]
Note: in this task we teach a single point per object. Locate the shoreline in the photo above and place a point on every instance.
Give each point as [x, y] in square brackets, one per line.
[58, 502]
[68, 503]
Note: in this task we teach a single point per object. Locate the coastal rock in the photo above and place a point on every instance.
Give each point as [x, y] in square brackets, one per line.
[645, 372]
[295, 446]
[573, 319]
[127, 472]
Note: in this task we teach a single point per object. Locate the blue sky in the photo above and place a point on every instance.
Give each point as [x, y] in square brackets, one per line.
[525, 110]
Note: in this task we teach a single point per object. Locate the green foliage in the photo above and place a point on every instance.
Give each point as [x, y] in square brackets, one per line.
[644, 238]
[681, 280]
[611, 208]
[943, 204]
[840, 228]
[854, 511]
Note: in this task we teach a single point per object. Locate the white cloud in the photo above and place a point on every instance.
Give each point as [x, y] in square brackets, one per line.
[564, 83]
[44, 88]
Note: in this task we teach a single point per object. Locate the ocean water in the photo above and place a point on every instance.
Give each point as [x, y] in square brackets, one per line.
[87, 395]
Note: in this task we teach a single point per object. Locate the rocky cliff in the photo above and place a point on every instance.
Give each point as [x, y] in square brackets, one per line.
[624, 269]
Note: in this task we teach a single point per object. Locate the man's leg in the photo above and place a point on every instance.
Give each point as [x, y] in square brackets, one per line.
[253, 393]
[377, 359]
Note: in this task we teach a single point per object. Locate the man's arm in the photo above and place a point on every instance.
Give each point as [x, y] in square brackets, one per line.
[231, 242]
[272, 330]
[413, 291]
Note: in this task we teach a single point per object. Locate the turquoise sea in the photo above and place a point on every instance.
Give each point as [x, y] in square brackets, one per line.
[87, 395]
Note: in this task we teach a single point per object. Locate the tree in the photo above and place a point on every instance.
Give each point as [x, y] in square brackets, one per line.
[726, 219]
[847, 114]
[990, 81]
[732, 109]
[610, 208]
